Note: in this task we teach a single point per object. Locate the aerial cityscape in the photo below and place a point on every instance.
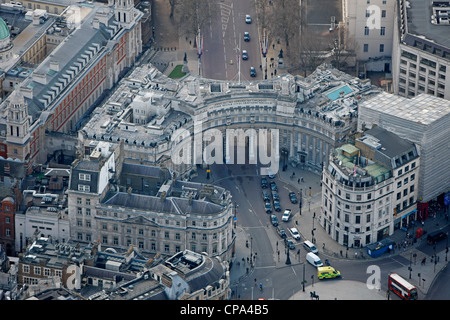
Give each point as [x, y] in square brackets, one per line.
[226, 150]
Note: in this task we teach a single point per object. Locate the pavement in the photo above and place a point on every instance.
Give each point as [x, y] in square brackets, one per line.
[341, 289]
[168, 51]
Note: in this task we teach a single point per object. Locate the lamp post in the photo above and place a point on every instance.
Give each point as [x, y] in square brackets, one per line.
[288, 259]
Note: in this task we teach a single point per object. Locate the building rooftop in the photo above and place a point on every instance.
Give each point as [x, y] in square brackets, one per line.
[328, 94]
[422, 109]
[420, 15]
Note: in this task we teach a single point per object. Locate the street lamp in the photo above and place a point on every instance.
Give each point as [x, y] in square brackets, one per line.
[288, 259]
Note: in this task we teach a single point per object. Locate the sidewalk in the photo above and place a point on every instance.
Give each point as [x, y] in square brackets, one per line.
[330, 248]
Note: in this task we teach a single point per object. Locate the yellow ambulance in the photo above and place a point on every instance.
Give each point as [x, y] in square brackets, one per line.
[327, 272]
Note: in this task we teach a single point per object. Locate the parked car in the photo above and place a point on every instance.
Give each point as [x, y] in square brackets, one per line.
[286, 215]
[246, 36]
[275, 196]
[292, 197]
[268, 207]
[248, 18]
[252, 72]
[266, 196]
[264, 183]
[273, 186]
[276, 205]
[281, 232]
[295, 233]
[244, 55]
[289, 243]
[274, 220]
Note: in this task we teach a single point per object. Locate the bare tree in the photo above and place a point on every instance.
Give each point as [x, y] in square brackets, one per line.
[193, 15]
[343, 48]
[309, 53]
[285, 20]
[173, 4]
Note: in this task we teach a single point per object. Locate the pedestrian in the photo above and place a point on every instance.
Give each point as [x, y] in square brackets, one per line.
[298, 181]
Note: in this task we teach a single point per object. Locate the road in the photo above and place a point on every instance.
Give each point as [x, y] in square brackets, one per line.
[223, 42]
[280, 280]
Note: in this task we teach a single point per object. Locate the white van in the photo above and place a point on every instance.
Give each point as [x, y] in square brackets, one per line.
[310, 247]
[314, 260]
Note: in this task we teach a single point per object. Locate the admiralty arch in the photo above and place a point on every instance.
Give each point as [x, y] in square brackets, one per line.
[154, 115]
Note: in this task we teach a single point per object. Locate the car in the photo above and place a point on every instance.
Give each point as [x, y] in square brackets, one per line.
[295, 233]
[281, 232]
[244, 55]
[268, 207]
[289, 243]
[252, 72]
[264, 183]
[275, 195]
[270, 174]
[273, 186]
[327, 273]
[248, 19]
[265, 196]
[246, 36]
[276, 205]
[274, 220]
[309, 246]
[292, 197]
[436, 237]
[286, 215]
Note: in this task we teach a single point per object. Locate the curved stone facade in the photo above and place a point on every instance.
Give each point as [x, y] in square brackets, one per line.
[312, 115]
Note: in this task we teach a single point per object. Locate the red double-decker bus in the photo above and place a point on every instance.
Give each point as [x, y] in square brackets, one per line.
[401, 287]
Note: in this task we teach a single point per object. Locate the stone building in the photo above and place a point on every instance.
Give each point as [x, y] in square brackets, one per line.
[122, 204]
[370, 189]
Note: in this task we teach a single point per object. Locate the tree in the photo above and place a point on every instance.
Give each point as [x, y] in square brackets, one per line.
[343, 48]
[173, 4]
[309, 52]
[193, 15]
[286, 20]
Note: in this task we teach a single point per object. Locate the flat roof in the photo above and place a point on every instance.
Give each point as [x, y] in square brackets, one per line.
[419, 23]
[424, 108]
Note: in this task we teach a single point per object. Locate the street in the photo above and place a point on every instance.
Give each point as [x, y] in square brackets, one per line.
[223, 43]
[284, 281]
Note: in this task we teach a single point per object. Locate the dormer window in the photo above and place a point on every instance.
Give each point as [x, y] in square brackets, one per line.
[84, 177]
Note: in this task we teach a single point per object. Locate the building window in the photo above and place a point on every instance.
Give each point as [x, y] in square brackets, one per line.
[383, 31]
[366, 47]
[366, 31]
[37, 271]
[383, 13]
[381, 47]
[26, 268]
[84, 177]
[83, 187]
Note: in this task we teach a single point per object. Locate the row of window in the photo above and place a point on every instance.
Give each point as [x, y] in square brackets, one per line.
[366, 47]
[367, 31]
[153, 245]
[41, 271]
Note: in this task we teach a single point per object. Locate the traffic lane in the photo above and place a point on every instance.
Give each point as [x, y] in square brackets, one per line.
[440, 290]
